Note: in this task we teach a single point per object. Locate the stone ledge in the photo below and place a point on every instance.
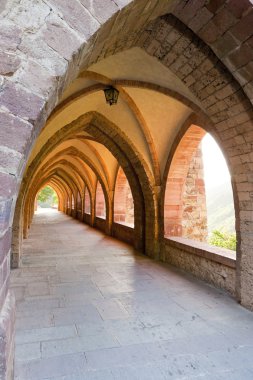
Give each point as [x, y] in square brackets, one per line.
[218, 255]
[100, 217]
[125, 225]
[124, 233]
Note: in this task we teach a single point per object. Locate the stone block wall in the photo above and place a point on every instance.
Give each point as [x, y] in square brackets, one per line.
[100, 224]
[87, 218]
[124, 233]
[204, 262]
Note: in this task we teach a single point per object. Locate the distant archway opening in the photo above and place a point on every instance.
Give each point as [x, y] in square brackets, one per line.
[198, 201]
[47, 198]
[123, 201]
[100, 202]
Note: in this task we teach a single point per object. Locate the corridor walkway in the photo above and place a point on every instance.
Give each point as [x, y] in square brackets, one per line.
[90, 308]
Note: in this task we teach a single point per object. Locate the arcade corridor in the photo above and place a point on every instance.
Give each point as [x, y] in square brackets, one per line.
[89, 307]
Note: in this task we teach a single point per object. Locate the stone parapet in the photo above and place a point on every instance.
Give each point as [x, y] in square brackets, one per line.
[211, 264]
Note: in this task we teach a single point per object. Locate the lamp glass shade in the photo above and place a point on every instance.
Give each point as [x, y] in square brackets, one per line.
[111, 95]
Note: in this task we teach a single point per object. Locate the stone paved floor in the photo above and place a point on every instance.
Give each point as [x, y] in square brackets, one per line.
[89, 308]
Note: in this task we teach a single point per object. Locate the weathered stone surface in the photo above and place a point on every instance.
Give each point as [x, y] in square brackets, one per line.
[122, 3]
[239, 8]
[7, 320]
[225, 44]
[21, 102]
[10, 36]
[77, 17]
[167, 314]
[243, 29]
[30, 16]
[13, 126]
[215, 273]
[101, 10]
[3, 5]
[38, 80]
[9, 63]
[240, 56]
[5, 212]
[61, 39]
[202, 17]
[248, 88]
[8, 185]
[11, 161]
[34, 46]
[5, 243]
[224, 20]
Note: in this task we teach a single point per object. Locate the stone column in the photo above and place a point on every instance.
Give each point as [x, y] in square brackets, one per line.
[194, 212]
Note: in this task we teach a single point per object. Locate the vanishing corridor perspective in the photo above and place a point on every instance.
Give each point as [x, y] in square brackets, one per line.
[90, 307]
[106, 104]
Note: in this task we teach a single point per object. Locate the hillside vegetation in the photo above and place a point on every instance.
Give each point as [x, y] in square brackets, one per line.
[220, 209]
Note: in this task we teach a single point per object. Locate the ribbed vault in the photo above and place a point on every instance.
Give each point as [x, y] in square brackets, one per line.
[161, 77]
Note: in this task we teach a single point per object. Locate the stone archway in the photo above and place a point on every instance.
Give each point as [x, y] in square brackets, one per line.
[32, 86]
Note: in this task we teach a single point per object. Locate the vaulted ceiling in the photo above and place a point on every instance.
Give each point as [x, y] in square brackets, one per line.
[148, 117]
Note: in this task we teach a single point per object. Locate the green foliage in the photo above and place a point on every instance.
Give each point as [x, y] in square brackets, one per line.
[223, 239]
[48, 195]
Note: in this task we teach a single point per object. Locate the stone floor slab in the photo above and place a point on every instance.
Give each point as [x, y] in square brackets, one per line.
[90, 307]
